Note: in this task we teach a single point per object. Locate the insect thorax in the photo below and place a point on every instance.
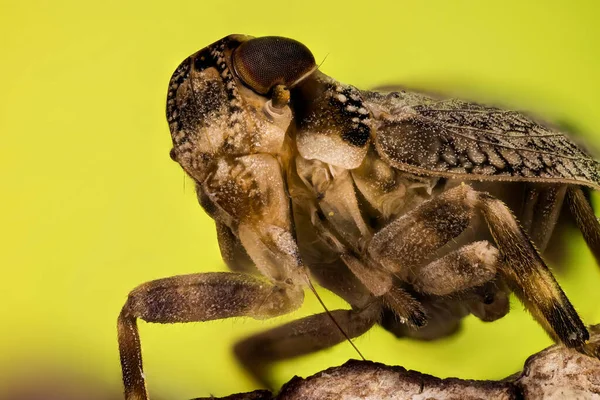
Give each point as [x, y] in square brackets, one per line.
[345, 207]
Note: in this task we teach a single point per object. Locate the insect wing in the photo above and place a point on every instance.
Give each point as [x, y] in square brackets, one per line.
[458, 139]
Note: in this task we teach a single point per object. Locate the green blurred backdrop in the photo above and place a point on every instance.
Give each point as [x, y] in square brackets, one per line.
[92, 205]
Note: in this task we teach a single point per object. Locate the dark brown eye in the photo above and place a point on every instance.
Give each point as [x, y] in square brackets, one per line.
[264, 62]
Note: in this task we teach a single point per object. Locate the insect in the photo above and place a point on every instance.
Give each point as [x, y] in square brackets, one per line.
[416, 210]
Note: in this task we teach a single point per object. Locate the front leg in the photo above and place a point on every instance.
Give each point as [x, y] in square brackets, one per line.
[246, 196]
[193, 298]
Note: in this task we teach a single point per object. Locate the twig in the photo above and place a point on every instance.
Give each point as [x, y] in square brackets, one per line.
[554, 373]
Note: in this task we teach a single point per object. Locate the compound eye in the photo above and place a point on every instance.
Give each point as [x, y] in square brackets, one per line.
[264, 62]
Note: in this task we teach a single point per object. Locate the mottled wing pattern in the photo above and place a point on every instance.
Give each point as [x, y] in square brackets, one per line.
[454, 138]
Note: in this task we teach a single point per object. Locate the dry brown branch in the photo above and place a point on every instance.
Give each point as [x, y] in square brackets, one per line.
[554, 373]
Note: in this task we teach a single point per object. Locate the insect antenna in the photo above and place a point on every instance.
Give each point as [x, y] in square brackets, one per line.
[322, 62]
[312, 288]
[306, 75]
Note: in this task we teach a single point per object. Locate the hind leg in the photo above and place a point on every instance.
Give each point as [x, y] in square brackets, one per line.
[303, 336]
[407, 242]
[586, 220]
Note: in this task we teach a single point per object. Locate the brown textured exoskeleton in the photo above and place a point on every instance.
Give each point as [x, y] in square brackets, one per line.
[415, 210]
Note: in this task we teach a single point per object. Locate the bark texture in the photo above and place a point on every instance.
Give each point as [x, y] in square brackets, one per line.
[554, 373]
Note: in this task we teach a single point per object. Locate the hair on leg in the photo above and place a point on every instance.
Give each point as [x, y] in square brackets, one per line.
[191, 298]
[407, 242]
[529, 277]
[303, 336]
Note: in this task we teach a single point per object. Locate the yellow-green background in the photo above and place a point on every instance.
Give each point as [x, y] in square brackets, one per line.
[91, 205]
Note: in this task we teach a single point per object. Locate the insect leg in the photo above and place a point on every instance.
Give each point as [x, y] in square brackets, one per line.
[541, 211]
[380, 283]
[412, 239]
[470, 274]
[337, 201]
[408, 241]
[190, 298]
[232, 250]
[528, 276]
[444, 316]
[489, 301]
[469, 266]
[342, 218]
[464, 280]
[586, 219]
[303, 336]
